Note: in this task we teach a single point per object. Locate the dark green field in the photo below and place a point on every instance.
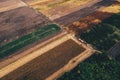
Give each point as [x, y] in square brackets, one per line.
[20, 43]
[104, 35]
[99, 66]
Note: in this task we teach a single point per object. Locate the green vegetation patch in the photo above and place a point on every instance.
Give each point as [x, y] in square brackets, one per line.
[104, 35]
[97, 67]
[18, 44]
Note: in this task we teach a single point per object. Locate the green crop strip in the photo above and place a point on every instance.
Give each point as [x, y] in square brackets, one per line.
[20, 43]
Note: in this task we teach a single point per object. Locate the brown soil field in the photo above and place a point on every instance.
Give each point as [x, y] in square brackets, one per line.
[19, 22]
[48, 63]
[95, 18]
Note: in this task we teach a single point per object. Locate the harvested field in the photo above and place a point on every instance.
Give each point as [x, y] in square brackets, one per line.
[19, 22]
[26, 40]
[48, 63]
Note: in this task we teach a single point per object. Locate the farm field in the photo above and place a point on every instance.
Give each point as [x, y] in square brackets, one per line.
[6, 5]
[94, 19]
[57, 8]
[97, 67]
[19, 22]
[47, 63]
[32, 47]
[103, 32]
[67, 20]
[104, 35]
[28, 39]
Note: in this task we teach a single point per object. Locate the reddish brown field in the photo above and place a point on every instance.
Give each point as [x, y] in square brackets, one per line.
[88, 22]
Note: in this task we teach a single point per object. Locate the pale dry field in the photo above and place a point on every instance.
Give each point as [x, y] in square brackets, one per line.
[115, 8]
[57, 8]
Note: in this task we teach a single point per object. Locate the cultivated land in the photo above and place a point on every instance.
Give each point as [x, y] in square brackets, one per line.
[104, 33]
[48, 49]
[48, 63]
[57, 8]
[55, 55]
[28, 39]
[55, 46]
[93, 19]
[19, 22]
